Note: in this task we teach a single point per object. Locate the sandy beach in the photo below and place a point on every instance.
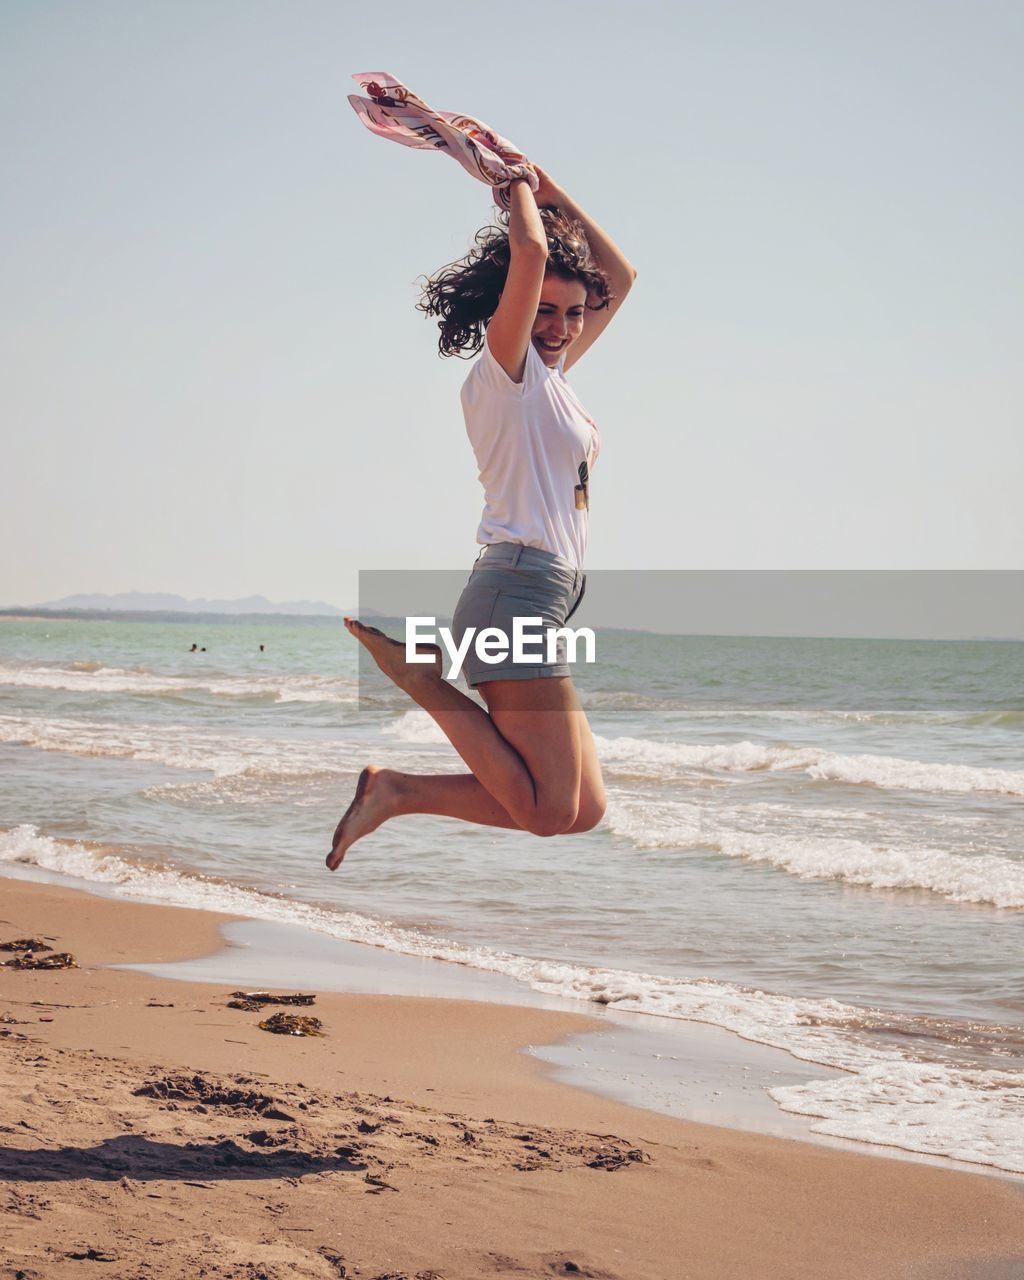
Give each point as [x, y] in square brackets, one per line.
[151, 1131]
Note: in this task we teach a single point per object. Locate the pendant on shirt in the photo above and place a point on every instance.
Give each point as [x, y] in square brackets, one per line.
[582, 494]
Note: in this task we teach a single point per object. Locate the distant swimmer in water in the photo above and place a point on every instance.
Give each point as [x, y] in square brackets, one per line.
[194, 649]
[263, 648]
[532, 297]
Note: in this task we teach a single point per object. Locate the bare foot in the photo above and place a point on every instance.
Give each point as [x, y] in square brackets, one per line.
[390, 655]
[371, 805]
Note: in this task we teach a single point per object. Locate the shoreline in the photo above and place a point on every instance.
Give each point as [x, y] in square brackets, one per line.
[691, 1071]
[88, 1164]
[679, 1068]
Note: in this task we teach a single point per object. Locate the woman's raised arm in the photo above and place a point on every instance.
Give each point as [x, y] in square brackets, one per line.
[609, 257]
[508, 334]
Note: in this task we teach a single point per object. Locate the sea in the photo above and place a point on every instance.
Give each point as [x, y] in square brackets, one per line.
[812, 844]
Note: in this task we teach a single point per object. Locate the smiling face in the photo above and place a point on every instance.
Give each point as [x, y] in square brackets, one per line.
[559, 319]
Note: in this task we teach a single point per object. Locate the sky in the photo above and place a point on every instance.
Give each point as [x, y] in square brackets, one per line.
[216, 382]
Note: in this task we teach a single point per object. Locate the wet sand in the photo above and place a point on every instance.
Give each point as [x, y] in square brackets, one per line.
[150, 1131]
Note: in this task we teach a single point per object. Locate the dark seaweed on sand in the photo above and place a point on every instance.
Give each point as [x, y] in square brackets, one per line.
[253, 1001]
[56, 960]
[292, 1024]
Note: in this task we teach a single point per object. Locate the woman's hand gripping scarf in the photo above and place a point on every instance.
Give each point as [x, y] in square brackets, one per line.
[393, 111]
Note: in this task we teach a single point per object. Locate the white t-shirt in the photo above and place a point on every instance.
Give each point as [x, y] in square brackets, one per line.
[535, 447]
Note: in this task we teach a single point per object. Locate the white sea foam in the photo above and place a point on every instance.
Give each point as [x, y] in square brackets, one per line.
[630, 700]
[171, 745]
[246, 769]
[178, 747]
[415, 726]
[640, 757]
[978, 878]
[91, 677]
[936, 1108]
[972, 1123]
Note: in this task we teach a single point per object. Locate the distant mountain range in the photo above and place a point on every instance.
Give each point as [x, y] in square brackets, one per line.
[162, 602]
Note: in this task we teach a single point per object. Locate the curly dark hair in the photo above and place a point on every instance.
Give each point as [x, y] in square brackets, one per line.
[465, 293]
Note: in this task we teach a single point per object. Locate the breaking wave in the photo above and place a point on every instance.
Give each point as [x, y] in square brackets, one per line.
[93, 677]
[977, 878]
[640, 757]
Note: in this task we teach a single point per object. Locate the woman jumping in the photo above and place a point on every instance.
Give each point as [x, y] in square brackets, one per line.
[535, 298]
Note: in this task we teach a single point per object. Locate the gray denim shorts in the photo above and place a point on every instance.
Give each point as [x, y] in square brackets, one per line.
[511, 581]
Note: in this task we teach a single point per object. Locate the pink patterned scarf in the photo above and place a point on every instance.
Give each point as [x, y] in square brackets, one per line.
[393, 111]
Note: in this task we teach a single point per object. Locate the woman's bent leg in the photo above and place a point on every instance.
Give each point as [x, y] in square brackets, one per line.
[388, 793]
[526, 755]
[534, 774]
[383, 794]
[592, 797]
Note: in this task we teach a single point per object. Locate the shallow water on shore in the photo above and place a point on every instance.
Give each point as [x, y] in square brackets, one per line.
[816, 844]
